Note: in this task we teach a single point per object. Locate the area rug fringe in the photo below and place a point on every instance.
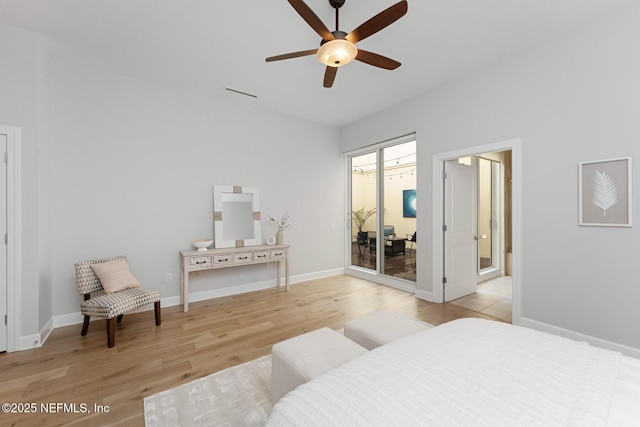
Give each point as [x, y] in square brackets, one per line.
[238, 396]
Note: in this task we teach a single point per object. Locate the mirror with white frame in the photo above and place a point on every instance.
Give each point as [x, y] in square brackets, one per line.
[236, 216]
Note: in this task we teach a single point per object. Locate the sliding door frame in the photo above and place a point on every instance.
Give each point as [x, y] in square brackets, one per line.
[363, 273]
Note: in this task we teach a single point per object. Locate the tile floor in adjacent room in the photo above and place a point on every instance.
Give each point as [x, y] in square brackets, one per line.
[492, 298]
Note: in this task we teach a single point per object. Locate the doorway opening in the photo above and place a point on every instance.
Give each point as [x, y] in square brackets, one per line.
[476, 228]
[382, 183]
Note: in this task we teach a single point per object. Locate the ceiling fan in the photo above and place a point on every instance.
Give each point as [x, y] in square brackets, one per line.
[338, 48]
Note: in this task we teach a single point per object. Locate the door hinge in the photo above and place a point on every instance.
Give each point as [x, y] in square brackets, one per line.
[444, 280]
[6, 157]
[444, 228]
[5, 319]
[444, 175]
[6, 239]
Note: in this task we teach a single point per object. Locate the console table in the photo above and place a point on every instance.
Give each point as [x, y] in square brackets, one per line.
[194, 260]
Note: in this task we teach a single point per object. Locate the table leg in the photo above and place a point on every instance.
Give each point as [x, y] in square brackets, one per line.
[286, 274]
[184, 287]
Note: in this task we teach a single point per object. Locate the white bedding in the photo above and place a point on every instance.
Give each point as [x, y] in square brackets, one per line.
[471, 372]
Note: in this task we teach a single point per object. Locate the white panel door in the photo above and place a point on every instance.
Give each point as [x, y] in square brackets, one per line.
[3, 246]
[460, 215]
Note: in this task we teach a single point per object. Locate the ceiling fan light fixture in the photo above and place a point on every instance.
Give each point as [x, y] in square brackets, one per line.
[336, 53]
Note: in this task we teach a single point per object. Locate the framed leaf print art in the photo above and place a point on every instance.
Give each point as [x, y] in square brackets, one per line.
[605, 192]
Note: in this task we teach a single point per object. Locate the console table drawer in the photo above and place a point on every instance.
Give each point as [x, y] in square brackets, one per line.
[278, 254]
[243, 258]
[260, 256]
[222, 260]
[200, 262]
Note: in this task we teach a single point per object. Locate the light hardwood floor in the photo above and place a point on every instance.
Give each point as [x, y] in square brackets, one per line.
[213, 335]
[493, 297]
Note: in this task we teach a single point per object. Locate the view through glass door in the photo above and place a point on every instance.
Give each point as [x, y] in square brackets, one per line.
[363, 208]
[489, 189]
[383, 204]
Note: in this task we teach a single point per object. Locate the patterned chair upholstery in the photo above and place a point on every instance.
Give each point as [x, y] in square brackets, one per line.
[110, 306]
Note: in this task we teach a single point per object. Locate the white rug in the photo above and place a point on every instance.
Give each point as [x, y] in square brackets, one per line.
[235, 397]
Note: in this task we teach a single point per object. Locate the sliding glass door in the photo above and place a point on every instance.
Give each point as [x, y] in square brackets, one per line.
[364, 204]
[382, 196]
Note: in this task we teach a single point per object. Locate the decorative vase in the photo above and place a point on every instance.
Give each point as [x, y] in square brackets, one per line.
[280, 237]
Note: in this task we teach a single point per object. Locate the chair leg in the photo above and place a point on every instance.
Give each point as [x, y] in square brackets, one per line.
[120, 316]
[156, 307]
[85, 325]
[111, 332]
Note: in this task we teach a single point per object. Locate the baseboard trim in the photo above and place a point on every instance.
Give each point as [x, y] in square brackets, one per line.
[29, 342]
[46, 331]
[598, 342]
[370, 275]
[219, 293]
[67, 319]
[425, 295]
[317, 275]
[36, 340]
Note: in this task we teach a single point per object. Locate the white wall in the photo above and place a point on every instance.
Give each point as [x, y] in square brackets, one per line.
[113, 165]
[574, 99]
[134, 165]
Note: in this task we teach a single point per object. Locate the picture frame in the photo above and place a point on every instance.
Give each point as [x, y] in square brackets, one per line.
[605, 192]
[408, 203]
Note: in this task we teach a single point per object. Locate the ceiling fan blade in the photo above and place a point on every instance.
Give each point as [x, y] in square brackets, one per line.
[292, 55]
[377, 60]
[312, 19]
[329, 76]
[378, 22]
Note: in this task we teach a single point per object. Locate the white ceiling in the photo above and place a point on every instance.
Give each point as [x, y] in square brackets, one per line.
[209, 45]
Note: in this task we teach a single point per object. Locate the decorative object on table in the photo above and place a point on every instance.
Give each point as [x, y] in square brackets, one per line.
[271, 240]
[202, 244]
[282, 224]
[236, 216]
[361, 216]
[605, 192]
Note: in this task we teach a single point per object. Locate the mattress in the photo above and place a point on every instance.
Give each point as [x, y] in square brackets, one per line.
[625, 404]
[472, 372]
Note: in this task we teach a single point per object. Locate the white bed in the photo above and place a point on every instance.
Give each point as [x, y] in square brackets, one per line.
[472, 372]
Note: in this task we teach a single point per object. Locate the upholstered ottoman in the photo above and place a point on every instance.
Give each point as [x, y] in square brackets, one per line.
[302, 358]
[382, 327]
